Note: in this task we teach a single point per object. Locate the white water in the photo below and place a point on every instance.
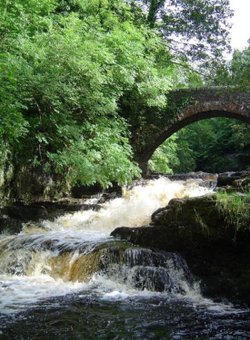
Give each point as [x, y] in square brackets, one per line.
[134, 209]
[30, 278]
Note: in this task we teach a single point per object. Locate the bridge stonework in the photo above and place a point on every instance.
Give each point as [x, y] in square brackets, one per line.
[186, 106]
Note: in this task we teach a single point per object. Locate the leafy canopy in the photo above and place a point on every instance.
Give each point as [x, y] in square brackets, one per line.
[66, 68]
[194, 29]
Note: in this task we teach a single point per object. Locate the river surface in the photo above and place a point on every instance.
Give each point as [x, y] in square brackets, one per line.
[68, 279]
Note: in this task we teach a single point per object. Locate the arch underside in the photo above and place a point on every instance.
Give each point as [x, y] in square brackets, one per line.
[195, 117]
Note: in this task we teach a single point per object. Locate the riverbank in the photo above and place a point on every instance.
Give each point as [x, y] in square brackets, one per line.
[212, 235]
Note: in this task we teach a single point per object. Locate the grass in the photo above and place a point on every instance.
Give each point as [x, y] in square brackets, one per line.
[235, 208]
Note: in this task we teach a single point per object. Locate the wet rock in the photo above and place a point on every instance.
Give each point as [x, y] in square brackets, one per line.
[236, 179]
[189, 223]
[13, 216]
[208, 180]
[10, 225]
[215, 251]
[195, 222]
[83, 191]
[147, 269]
[68, 205]
[186, 176]
[205, 176]
[151, 279]
[26, 212]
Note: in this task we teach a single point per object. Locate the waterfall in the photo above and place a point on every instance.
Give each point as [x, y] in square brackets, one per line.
[74, 252]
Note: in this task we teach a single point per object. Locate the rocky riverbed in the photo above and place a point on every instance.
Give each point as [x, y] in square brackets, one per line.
[215, 250]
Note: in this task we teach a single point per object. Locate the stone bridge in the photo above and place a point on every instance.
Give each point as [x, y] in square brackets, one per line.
[186, 106]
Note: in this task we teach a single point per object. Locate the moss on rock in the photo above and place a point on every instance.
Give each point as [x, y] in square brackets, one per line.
[196, 228]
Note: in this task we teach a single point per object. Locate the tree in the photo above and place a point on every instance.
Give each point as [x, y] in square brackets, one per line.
[240, 68]
[69, 67]
[194, 29]
[236, 72]
[165, 157]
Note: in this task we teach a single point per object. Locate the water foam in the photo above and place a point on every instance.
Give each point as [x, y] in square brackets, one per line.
[134, 209]
[25, 271]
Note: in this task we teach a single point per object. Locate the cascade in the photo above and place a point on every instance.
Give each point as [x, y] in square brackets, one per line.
[74, 251]
[71, 279]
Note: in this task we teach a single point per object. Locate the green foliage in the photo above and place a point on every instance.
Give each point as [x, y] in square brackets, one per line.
[212, 145]
[223, 144]
[240, 67]
[207, 141]
[165, 157]
[173, 156]
[218, 144]
[11, 104]
[76, 76]
[185, 155]
[68, 68]
[236, 72]
[196, 29]
[104, 157]
[235, 208]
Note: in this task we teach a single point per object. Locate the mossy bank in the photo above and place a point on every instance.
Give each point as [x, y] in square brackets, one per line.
[213, 237]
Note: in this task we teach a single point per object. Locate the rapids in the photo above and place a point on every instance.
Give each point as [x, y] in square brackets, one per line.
[51, 265]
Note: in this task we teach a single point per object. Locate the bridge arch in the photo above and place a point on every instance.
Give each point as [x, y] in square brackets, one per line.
[199, 104]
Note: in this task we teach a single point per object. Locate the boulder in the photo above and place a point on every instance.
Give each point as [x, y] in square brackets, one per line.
[216, 252]
[13, 216]
[10, 225]
[235, 179]
[194, 222]
[26, 212]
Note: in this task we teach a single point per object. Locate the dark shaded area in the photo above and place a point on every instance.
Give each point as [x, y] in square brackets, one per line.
[88, 317]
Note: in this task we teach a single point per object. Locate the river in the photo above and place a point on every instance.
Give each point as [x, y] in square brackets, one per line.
[68, 279]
